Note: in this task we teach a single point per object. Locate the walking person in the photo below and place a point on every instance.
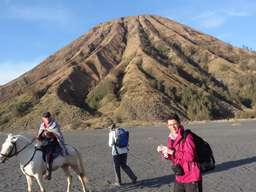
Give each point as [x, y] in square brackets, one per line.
[181, 152]
[118, 141]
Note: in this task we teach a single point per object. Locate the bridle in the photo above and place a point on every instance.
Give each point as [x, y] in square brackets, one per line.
[14, 149]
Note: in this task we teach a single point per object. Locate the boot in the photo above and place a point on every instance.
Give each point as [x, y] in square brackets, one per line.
[48, 174]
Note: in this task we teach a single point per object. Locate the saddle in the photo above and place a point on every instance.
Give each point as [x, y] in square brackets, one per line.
[50, 146]
[57, 152]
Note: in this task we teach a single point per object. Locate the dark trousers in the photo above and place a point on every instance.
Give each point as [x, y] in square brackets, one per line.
[120, 161]
[188, 187]
[48, 150]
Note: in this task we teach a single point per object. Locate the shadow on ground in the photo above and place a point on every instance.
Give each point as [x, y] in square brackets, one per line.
[157, 182]
[232, 164]
[146, 183]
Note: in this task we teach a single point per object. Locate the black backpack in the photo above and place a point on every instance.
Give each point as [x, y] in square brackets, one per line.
[204, 152]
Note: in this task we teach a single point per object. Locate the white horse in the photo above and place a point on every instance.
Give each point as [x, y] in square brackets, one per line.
[33, 166]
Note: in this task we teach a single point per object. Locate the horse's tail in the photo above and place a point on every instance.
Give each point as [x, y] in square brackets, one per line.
[80, 163]
[81, 170]
[80, 166]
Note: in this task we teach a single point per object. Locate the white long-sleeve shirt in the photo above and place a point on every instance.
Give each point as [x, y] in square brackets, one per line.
[111, 143]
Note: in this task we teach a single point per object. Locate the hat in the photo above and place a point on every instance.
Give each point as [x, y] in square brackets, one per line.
[46, 114]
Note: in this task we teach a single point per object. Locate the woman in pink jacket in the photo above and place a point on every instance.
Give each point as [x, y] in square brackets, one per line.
[181, 151]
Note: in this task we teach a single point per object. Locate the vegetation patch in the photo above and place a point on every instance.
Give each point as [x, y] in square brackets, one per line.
[98, 93]
[22, 108]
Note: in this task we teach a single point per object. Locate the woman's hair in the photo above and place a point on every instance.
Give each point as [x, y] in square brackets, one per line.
[46, 114]
[174, 116]
[112, 126]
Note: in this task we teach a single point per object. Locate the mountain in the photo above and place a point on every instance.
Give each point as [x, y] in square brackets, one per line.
[134, 68]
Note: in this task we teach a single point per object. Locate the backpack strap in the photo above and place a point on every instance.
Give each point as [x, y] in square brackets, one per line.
[185, 133]
[116, 150]
[115, 141]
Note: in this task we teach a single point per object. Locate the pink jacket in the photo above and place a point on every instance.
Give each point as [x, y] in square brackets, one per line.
[185, 155]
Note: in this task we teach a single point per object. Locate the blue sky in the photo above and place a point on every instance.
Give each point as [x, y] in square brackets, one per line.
[31, 30]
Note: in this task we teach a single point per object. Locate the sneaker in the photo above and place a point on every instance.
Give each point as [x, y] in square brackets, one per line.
[134, 181]
[117, 184]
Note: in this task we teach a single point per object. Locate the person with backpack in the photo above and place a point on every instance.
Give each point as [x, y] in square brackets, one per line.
[182, 153]
[118, 141]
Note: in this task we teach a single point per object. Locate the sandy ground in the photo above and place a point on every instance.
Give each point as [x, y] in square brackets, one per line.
[233, 143]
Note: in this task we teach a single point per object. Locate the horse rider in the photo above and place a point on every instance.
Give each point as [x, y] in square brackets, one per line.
[52, 138]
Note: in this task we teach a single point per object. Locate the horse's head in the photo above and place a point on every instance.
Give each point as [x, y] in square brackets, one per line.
[8, 148]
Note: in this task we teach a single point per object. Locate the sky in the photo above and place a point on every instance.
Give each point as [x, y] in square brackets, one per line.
[31, 30]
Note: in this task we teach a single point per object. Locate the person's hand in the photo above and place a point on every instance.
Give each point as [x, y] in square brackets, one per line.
[49, 134]
[159, 148]
[170, 151]
[164, 149]
[37, 138]
[166, 152]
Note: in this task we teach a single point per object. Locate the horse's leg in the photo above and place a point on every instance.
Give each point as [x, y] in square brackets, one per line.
[69, 177]
[29, 182]
[83, 181]
[81, 176]
[39, 180]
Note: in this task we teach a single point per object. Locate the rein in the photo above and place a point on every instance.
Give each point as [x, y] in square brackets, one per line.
[16, 152]
[32, 157]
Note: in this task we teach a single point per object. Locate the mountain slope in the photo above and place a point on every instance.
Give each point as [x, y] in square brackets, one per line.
[134, 68]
